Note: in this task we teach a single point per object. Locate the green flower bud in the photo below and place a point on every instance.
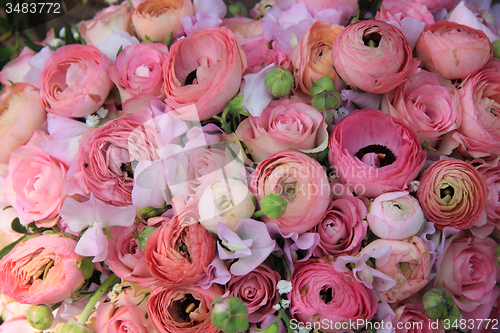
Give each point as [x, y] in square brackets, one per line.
[273, 328]
[40, 317]
[229, 315]
[438, 304]
[279, 82]
[326, 83]
[143, 237]
[326, 100]
[273, 205]
[496, 49]
[237, 9]
[74, 327]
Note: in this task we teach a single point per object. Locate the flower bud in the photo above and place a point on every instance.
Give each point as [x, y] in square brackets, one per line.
[498, 254]
[496, 49]
[237, 9]
[273, 328]
[326, 83]
[229, 315]
[279, 82]
[74, 327]
[40, 317]
[143, 237]
[326, 100]
[273, 205]
[438, 304]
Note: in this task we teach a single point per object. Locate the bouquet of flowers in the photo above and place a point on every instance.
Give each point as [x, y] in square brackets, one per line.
[176, 166]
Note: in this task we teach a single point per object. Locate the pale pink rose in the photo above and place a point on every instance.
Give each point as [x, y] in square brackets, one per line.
[482, 20]
[257, 290]
[156, 19]
[410, 317]
[16, 70]
[126, 259]
[480, 101]
[114, 17]
[261, 53]
[284, 124]
[394, 10]
[490, 310]
[75, 81]
[41, 270]
[118, 319]
[373, 56]
[431, 109]
[453, 50]
[467, 270]
[408, 264]
[243, 27]
[386, 158]
[433, 5]
[21, 113]
[139, 70]
[35, 185]
[318, 5]
[490, 169]
[312, 58]
[202, 73]
[165, 304]
[395, 215]
[301, 181]
[322, 294]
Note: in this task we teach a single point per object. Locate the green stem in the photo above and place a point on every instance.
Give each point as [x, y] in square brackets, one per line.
[283, 314]
[110, 281]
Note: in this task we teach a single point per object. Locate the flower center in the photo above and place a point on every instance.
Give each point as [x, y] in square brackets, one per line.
[187, 305]
[190, 78]
[326, 295]
[372, 39]
[447, 193]
[384, 154]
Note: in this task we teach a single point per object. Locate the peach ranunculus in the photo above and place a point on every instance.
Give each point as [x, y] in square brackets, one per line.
[139, 70]
[175, 309]
[453, 50]
[452, 193]
[21, 113]
[156, 19]
[42, 269]
[35, 185]
[75, 81]
[303, 183]
[408, 263]
[243, 27]
[202, 73]
[114, 17]
[395, 10]
[284, 124]
[312, 58]
[373, 56]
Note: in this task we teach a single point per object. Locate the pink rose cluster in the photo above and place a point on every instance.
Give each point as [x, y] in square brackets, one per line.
[175, 166]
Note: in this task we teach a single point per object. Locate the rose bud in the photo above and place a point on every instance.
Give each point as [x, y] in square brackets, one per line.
[395, 215]
[229, 315]
[40, 317]
[453, 50]
[74, 327]
[439, 304]
[279, 82]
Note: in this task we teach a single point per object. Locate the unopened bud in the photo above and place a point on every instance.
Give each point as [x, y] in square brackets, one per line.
[74, 327]
[273, 205]
[143, 237]
[273, 328]
[438, 304]
[237, 9]
[326, 83]
[279, 82]
[326, 100]
[40, 317]
[230, 315]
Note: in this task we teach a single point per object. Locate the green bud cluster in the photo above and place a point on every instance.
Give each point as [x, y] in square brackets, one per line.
[279, 82]
[324, 96]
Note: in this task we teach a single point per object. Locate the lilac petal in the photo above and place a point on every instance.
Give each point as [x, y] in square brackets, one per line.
[238, 247]
[78, 215]
[150, 186]
[37, 64]
[93, 243]
[216, 273]
[112, 216]
[211, 6]
[256, 97]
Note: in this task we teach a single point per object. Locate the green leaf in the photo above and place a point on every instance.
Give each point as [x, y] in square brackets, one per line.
[168, 39]
[33, 46]
[149, 39]
[34, 229]
[86, 266]
[119, 50]
[9, 247]
[5, 208]
[107, 233]
[18, 227]
[6, 53]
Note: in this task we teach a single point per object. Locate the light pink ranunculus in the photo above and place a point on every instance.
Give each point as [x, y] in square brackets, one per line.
[467, 270]
[394, 10]
[387, 157]
[301, 181]
[118, 319]
[410, 317]
[21, 113]
[322, 294]
[433, 5]
[453, 50]
[243, 27]
[318, 5]
[16, 70]
[114, 17]
[408, 264]
[373, 56]
[156, 19]
[261, 53]
[75, 81]
[41, 270]
[139, 70]
[395, 215]
[284, 124]
[202, 73]
[481, 19]
[490, 169]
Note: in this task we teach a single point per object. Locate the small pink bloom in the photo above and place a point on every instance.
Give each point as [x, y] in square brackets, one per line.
[412, 314]
[394, 10]
[16, 70]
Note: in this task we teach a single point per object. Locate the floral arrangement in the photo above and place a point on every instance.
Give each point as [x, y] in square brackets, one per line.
[324, 166]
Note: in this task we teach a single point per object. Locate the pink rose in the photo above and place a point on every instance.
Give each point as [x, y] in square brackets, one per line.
[41, 270]
[75, 82]
[490, 169]
[118, 319]
[322, 294]
[257, 290]
[301, 181]
[438, 4]
[410, 317]
[490, 310]
[202, 73]
[394, 10]
[21, 113]
[156, 19]
[243, 27]
[452, 193]
[16, 70]
[373, 56]
[408, 263]
[261, 53]
[318, 5]
[431, 109]
[35, 185]
[453, 50]
[114, 17]
[386, 158]
[177, 309]
[283, 125]
[467, 270]
[17, 324]
[139, 70]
